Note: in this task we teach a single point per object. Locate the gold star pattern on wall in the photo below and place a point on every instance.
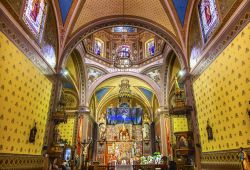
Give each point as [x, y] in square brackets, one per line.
[67, 129]
[222, 94]
[24, 99]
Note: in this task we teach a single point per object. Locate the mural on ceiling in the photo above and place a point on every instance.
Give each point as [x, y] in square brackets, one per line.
[70, 100]
[181, 8]
[154, 74]
[34, 15]
[64, 8]
[147, 93]
[93, 74]
[209, 17]
[101, 93]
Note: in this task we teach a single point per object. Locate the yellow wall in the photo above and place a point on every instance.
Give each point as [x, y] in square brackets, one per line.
[24, 99]
[222, 93]
[70, 66]
[66, 130]
[180, 124]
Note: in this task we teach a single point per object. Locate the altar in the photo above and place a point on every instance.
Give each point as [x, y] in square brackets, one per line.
[124, 134]
[123, 167]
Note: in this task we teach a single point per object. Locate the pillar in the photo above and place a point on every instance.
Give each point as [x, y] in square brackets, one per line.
[82, 131]
[194, 120]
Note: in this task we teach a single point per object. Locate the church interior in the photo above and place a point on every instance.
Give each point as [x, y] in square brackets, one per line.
[124, 84]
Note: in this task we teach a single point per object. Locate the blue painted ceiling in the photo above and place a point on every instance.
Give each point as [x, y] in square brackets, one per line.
[147, 93]
[181, 8]
[100, 93]
[64, 8]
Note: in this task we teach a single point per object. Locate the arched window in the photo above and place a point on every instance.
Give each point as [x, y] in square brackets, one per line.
[99, 47]
[150, 47]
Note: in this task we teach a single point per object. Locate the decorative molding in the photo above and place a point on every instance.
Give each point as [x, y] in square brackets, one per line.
[16, 36]
[218, 160]
[238, 23]
[21, 162]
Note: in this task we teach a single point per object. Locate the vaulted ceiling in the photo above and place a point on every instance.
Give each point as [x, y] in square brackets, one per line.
[151, 10]
[170, 15]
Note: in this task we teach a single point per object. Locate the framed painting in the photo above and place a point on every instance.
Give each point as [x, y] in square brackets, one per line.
[209, 17]
[34, 15]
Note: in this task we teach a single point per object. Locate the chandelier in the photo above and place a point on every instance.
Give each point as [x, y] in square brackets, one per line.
[124, 92]
[122, 58]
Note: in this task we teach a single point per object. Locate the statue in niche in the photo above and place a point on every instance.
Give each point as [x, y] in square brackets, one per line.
[124, 134]
[33, 132]
[244, 159]
[145, 131]
[209, 131]
[56, 136]
[183, 143]
[102, 131]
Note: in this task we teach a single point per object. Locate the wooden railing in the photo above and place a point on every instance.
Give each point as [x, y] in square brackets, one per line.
[135, 167]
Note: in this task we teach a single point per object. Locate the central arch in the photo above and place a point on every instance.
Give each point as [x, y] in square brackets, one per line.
[100, 24]
[141, 77]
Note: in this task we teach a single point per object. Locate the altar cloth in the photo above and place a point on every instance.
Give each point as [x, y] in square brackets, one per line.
[123, 167]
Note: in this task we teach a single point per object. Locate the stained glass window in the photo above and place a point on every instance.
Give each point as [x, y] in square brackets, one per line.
[208, 17]
[124, 29]
[150, 47]
[99, 47]
[34, 15]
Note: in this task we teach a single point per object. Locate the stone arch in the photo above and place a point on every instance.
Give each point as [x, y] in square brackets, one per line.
[131, 21]
[166, 74]
[81, 74]
[144, 78]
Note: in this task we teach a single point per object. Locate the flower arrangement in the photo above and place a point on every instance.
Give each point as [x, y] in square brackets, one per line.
[155, 159]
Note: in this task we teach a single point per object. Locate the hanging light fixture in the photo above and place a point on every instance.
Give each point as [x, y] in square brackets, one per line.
[122, 56]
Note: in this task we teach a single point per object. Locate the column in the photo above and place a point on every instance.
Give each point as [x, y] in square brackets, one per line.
[164, 122]
[194, 121]
[82, 131]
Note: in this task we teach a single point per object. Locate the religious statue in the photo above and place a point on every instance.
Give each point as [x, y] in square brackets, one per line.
[183, 142]
[102, 128]
[117, 152]
[124, 134]
[145, 131]
[244, 160]
[209, 131]
[33, 132]
[102, 131]
[56, 136]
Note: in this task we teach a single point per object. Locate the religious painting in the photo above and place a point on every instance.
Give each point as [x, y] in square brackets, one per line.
[93, 74]
[154, 74]
[124, 115]
[34, 15]
[209, 17]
